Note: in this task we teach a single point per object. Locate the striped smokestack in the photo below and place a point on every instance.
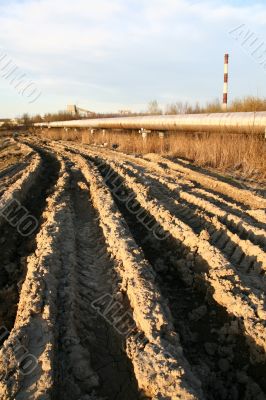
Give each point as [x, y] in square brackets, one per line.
[225, 93]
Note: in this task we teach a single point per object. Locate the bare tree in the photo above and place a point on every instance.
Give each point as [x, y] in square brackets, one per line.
[26, 120]
[153, 108]
[178, 107]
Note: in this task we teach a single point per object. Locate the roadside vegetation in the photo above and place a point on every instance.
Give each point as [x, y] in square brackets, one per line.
[247, 104]
[241, 155]
[235, 152]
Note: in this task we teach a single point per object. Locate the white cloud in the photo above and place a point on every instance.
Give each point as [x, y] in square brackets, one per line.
[212, 11]
[61, 26]
[131, 50]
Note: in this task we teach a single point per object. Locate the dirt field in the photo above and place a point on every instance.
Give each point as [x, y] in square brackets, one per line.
[127, 277]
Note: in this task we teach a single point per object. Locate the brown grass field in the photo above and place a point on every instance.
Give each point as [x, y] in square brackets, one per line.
[239, 154]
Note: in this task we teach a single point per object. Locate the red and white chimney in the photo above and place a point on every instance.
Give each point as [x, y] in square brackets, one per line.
[225, 93]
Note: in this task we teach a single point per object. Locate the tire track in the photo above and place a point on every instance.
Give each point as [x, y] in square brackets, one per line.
[242, 196]
[197, 297]
[234, 216]
[33, 335]
[203, 332]
[252, 217]
[105, 369]
[14, 248]
[238, 219]
[228, 289]
[244, 255]
[13, 173]
[162, 167]
[249, 223]
[157, 356]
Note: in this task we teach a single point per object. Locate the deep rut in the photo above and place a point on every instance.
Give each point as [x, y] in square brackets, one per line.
[247, 258]
[212, 340]
[14, 248]
[100, 348]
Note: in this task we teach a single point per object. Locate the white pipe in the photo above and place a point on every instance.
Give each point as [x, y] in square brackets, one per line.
[243, 120]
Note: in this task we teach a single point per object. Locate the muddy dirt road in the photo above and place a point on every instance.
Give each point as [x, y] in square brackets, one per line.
[126, 277]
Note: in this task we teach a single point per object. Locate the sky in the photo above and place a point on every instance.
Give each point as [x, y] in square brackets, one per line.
[109, 55]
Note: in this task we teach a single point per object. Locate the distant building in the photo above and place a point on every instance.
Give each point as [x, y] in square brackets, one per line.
[74, 110]
[124, 112]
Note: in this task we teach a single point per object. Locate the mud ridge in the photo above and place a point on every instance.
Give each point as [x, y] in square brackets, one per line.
[29, 192]
[211, 339]
[150, 313]
[96, 361]
[220, 272]
[244, 255]
[33, 335]
[243, 196]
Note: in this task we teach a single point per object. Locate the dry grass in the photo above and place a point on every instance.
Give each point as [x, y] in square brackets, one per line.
[248, 103]
[60, 134]
[241, 154]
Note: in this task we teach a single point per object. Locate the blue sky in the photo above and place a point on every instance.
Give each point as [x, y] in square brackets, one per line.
[120, 54]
